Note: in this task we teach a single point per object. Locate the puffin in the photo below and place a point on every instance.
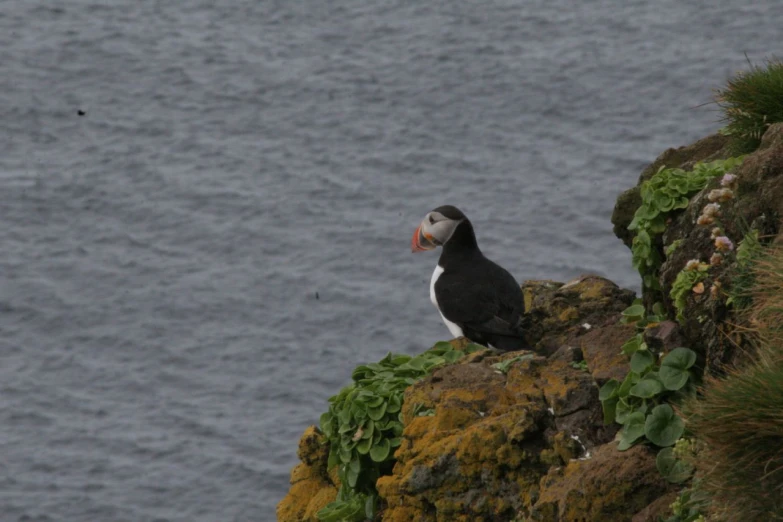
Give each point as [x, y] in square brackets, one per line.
[476, 297]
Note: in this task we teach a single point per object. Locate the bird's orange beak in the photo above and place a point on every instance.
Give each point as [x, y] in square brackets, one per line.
[421, 242]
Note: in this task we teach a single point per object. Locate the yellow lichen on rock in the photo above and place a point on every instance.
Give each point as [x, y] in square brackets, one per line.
[311, 487]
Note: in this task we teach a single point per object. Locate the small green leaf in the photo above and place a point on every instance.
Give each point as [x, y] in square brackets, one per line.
[608, 390]
[334, 458]
[633, 429]
[369, 430]
[636, 310]
[632, 345]
[663, 427]
[352, 473]
[682, 358]
[452, 356]
[377, 413]
[369, 507]
[657, 225]
[663, 202]
[394, 404]
[674, 368]
[364, 445]
[641, 360]
[326, 423]
[380, 451]
[673, 469]
[401, 359]
[630, 379]
[623, 410]
[345, 455]
[443, 346]
[609, 407]
[647, 388]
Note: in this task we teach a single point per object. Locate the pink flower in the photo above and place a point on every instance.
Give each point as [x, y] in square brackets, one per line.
[720, 195]
[728, 180]
[723, 244]
[711, 210]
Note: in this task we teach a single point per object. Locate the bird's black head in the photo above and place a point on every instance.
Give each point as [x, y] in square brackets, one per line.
[438, 227]
[451, 212]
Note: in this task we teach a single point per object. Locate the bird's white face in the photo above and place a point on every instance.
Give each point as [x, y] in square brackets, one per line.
[433, 231]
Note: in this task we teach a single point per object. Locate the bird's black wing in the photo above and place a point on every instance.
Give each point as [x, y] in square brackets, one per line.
[487, 301]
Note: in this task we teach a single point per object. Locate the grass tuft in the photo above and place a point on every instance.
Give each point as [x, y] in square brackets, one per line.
[739, 419]
[752, 101]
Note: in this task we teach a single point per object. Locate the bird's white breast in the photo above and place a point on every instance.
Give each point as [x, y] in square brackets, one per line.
[455, 330]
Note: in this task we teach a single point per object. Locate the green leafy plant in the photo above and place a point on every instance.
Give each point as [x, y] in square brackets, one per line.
[364, 426]
[667, 190]
[683, 286]
[688, 507]
[673, 246]
[638, 403]
[581, 365]
[637, 315]
[752, 101]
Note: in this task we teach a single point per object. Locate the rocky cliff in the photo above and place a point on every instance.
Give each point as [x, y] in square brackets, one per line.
[523, 436]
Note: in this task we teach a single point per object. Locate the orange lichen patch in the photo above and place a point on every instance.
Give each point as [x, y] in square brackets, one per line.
[304, 499]
[482, 437]
[302, 472]
[593, 288]
[311, 485]
[334, 476]
[312, 446]
[318, 502]
[460, 343]
[563, 387]
[568, 314]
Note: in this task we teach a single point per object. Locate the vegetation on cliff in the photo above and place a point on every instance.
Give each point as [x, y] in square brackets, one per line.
[751, 102]
[738, 419]
[364, 425]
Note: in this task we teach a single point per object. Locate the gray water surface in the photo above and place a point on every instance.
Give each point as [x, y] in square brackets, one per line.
[161, 344]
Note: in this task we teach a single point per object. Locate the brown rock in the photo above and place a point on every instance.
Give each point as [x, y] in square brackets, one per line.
[602, 352]
[664, 337]
[558, 314]
[657, 510]
[611, 485]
